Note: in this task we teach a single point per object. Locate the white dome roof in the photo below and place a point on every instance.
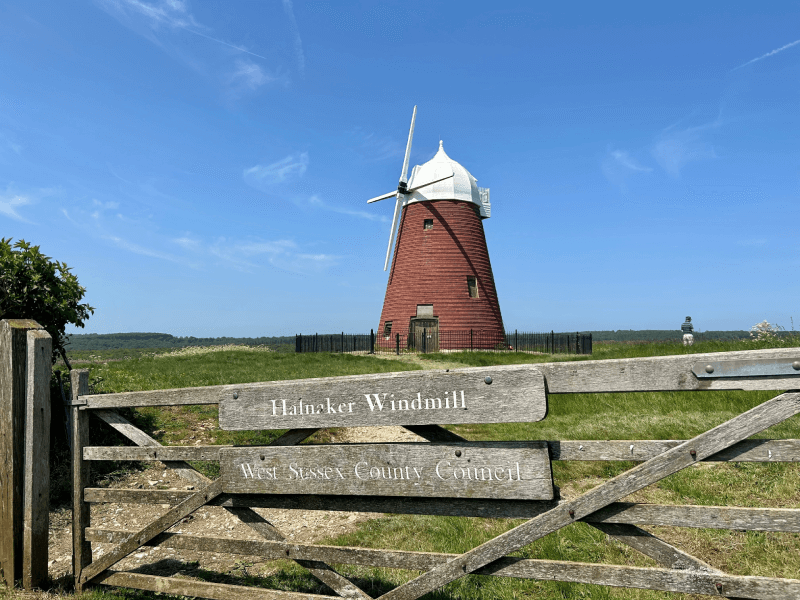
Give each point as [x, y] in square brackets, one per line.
[462, 186]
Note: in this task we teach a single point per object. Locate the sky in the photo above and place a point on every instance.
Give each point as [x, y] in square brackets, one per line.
[203, 166]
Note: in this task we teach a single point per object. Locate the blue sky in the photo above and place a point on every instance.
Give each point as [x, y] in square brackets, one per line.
[204, 167]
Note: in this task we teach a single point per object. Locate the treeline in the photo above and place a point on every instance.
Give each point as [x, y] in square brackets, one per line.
[653, 335]
[111, 341]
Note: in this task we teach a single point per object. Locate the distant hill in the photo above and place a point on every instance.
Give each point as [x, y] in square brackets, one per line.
[648, 335]
[110, 341]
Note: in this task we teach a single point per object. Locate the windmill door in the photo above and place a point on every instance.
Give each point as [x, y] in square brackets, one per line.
[424, 334]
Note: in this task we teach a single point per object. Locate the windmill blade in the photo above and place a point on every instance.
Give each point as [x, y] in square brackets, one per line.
[391, 233]
[384, 197]
[416, 187]
[403, 175]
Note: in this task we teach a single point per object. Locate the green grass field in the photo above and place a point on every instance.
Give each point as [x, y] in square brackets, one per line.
[674, 415]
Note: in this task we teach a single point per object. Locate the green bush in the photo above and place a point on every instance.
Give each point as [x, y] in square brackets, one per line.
[33, 286]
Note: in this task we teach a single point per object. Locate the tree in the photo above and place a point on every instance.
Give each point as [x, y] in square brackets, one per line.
[33, 286]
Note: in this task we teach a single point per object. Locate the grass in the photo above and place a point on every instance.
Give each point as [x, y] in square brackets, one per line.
[668, 415]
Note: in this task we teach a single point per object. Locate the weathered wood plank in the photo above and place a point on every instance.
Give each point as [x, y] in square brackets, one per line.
[715, 440]
[81, 549]
[167, 520]
[13, 380]
[662, 373]
[36, 494]
[589, 450]
[707, 517]
[641, 450]
[661, 579]
[466, 469]
[514, 394]
[497, 395]
[200, 589]
[151, 453]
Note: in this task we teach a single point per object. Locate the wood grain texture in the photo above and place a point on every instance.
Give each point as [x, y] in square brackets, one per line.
[81, 549]
[411, 398]
[13, 383]
[467, 469]
[200, 589]
[515, 394]
[715, 440]
[707, 517]
[662, 373]
[641, 450]
[671, 580]
[36, 493]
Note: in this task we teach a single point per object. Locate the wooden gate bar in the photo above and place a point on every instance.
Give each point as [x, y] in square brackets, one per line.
[705, 517]
[660, 579]
[200, 589]
[749, 423]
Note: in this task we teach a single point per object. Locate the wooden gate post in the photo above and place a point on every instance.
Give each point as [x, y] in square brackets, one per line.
[81, 549]
[13, 385]
[36, 485]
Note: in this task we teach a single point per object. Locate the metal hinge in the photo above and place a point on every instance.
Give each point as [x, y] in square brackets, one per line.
[761, 367]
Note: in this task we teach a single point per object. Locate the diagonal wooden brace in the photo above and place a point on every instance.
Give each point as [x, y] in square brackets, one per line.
[188, 506]
[749, 423]
[326, 574]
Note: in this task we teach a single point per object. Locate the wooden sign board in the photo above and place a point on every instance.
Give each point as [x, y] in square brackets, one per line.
[497, 470]
[474, 395]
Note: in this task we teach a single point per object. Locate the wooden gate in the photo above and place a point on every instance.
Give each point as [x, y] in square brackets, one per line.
[355, 476]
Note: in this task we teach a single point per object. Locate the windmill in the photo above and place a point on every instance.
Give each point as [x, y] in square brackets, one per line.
[441, 276]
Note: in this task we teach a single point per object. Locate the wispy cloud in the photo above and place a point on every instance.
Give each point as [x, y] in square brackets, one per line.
[144, 251]
[9, 204]
[292, 167]
[767, 55]
[619, 166]
[298, 43]
[249, 75]
[676, 147]
[156, 19]
[316, 201]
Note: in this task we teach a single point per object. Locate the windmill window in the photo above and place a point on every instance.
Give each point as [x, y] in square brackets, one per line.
[387, 328]
[472, 285]
[428, 224]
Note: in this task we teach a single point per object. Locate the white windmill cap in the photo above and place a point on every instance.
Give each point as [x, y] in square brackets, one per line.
[462, 186]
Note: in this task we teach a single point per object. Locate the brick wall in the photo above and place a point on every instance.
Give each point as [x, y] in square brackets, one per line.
[431, 266]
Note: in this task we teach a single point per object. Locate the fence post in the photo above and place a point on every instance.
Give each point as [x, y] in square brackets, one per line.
[372, 341]
[397, 343]
[552, 342]
[81, 549]
[36, 491]
[516, 341]
[424, 340]
[13, 384]
[470, 341]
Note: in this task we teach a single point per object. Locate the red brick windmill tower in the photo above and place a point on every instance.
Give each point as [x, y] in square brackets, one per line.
[441, 278]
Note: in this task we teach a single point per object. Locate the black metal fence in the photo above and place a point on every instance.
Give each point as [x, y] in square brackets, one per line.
[424, 341]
